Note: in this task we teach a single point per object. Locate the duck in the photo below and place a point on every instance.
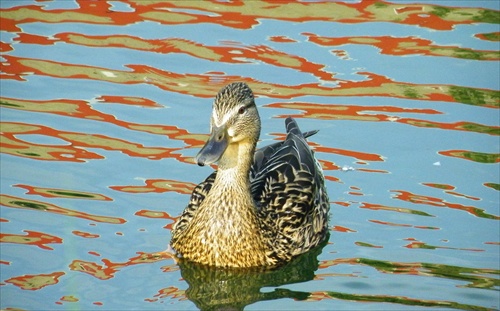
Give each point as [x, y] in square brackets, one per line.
[259, 208]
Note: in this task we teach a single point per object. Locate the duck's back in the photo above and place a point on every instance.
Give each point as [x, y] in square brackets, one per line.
[288, 187]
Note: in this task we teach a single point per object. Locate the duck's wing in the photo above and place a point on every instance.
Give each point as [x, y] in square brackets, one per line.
[263, 154]
[198, 195]
[288, 187]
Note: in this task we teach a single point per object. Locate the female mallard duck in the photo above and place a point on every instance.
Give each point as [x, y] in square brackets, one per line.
[261, 208]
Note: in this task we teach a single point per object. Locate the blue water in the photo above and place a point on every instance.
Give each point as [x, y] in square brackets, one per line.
[455, 266]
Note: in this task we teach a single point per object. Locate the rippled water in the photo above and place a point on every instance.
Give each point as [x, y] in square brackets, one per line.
[104, 104]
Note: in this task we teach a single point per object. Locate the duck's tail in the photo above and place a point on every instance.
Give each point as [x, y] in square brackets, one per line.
[293, 128]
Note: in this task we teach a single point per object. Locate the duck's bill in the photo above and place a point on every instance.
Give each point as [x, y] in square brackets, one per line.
[214, 148]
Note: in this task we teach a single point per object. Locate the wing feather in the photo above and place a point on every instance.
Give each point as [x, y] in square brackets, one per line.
[288, 187]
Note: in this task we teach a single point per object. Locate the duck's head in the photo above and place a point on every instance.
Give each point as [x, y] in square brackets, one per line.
[234, 121]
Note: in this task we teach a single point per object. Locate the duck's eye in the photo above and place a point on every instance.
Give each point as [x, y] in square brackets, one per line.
[242, 110]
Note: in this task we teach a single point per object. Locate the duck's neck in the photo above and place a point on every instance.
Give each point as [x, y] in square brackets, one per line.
[234, 166]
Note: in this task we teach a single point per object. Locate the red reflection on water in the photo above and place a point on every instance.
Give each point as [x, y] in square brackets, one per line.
[84, 110]
[422, 199]
[204, 85]
[386, 114]
[233, 53]
[35, 281]
[39, 239]
[492, 243]
[108, 269]
[449, 187]
[16, 202]
[75, 151]
[157, 214]
[343, 229]
[68, 298]
[347, 112]
[349, 153]
[13, 145]
[363, 244]
[27, 38]
[86, 235]
[472, 156]
[418, 244]
[63, 193]
[439, 186]
[126, 100]
[171, 292]
[282, 39]
[5, 47]
[399, 46]
[387, 223]
[236, 14]
[158, 186]
[377, 207]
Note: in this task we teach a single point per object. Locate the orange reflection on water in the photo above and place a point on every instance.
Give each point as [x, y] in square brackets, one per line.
[75, 151]
[347, 112]
[241, 14]
[418, 244]
[14, 146]
[232, 53]
[84, 110]
[447, 189]
[342, 229]
[16, 202]
[348, 153]
[69, 298]
[157, 214]
[399, 46]
[39, 239]
[364, 244]
[428, 200]
[86, 235]
[385, 114]
[158, 186]
[35, 281]
[171, 292]
[108, 269]
[387, 223]
[63, 193]
[377, 207]
[204, 85]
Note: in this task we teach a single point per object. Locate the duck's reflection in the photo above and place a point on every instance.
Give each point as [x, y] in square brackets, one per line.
[232, 289]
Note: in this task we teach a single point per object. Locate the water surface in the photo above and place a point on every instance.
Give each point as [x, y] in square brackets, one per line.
[105, 103]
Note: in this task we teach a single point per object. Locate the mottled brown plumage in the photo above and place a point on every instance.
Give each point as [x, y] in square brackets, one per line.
[260, 208]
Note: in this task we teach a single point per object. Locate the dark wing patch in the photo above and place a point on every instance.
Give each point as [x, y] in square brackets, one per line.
[288, 188]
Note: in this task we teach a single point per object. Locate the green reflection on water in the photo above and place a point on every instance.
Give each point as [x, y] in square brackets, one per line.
[472, 96]
[71, 194]
[493, 185]
[440, 11]
[474, 276]
[492, 36]
[404, 301]
[482, 157]
[487, 16]
[41, 207]
[213, 288]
